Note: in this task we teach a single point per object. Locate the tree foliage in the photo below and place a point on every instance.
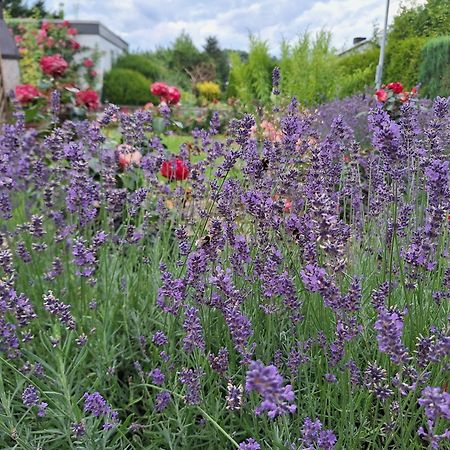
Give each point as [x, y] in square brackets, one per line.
[429, 20]
[435, 67]
[309, 68]
[21, 8]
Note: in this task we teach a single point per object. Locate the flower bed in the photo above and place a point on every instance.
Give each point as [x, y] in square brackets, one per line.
[276, 289]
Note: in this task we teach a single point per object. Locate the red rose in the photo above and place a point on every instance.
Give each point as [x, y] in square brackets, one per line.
[72, 31]
[93, 73]
[74, 44]
[88, 62]
[173, 96]
[66, 24]
[175, 170]
[159, 89]
[54, 65]
[25, 93]
[397, 87]
[88, 98]
[381, 95]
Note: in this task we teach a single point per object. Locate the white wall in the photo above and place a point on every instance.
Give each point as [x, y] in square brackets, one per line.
[108, 52]
[11, 74]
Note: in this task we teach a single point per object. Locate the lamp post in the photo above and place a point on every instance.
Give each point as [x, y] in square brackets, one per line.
[379, 73]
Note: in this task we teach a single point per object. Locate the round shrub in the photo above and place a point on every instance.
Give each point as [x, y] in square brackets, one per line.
[208, 90]
[143, 64]
[126, 87]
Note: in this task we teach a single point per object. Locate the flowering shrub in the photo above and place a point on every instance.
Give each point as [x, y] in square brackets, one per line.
[210, 307]
[49, 62]
[208, 90]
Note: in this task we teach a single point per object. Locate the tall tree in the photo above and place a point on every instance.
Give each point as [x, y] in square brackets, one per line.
[219, 57]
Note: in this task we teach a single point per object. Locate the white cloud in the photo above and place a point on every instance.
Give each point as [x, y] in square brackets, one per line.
[146, 24]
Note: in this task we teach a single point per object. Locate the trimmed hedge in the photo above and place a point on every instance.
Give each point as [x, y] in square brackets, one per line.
[434, 72]
[403, 60]
[126, 87]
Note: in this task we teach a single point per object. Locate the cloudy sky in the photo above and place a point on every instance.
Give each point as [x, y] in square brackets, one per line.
[146, 24]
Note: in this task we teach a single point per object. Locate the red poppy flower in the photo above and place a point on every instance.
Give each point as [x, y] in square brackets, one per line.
[397, 87]
[175, 170]
[381, 95]
[54, 65]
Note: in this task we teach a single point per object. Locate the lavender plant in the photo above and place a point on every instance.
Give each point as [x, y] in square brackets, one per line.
[288, 294]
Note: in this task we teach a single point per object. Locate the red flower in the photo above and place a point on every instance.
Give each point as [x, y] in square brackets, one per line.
[381, 95]
[175, 170]
[159, 89]
[74, 44]
[93, 73]
[88, 98]
[72, 31]
[66, 24]
[397, 87]
[173, 96]
[88, 62]
[25, 93]
[54, 65]
[46, 25]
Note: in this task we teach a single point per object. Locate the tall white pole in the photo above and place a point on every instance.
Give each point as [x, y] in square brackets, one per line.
[379, 73]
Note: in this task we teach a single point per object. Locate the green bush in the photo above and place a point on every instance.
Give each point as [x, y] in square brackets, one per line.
[308, 69]
[403, 60]
[142, 63]
[252, 80]
[357, 71]
[434, 71]
[126, 87]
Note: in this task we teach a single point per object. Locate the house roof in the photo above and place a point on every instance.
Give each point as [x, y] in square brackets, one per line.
[365, 43]
[8, 48]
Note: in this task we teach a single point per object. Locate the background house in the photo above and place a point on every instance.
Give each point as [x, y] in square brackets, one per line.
[360, 45]
[96, 36]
